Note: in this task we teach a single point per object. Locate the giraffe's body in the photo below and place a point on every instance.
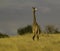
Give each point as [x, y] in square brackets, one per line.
[35, 27]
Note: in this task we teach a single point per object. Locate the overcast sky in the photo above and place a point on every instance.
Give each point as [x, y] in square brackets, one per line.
[18, 13]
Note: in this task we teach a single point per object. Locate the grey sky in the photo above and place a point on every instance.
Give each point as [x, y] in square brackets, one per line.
[18, 13]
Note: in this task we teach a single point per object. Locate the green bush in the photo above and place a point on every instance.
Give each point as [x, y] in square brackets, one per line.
[3, 35]
[27, 29]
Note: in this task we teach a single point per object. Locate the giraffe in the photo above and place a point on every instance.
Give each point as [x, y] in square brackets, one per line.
[35, 27]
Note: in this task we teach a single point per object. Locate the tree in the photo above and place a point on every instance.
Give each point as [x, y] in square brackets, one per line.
[51, 29]
[57, 30]
[3, 35]
[27, 29]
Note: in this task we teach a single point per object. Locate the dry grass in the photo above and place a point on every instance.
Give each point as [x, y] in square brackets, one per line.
[46, 42]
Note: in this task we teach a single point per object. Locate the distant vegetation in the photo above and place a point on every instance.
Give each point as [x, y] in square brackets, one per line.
[27, 29]
[3, 35]
[49, 29]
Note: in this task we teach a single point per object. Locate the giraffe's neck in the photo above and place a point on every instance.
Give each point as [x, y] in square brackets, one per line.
[34, 18]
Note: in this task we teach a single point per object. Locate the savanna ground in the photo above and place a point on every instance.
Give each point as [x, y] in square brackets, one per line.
[47, 42]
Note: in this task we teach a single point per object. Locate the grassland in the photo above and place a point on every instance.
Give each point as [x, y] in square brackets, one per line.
[46, 42]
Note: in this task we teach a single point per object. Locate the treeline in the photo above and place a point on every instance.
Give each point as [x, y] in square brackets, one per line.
[27, 29]
[49, 29]
[2, 35]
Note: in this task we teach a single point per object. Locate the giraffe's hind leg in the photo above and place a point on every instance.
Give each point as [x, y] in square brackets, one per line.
[34, 37]
[37, 37]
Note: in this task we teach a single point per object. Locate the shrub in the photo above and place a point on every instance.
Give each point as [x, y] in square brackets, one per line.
[27, 29]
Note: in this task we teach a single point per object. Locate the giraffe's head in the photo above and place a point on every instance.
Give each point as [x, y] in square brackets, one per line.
[34, 9]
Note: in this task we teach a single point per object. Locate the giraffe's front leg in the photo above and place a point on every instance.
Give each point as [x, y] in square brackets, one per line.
[34, 36]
